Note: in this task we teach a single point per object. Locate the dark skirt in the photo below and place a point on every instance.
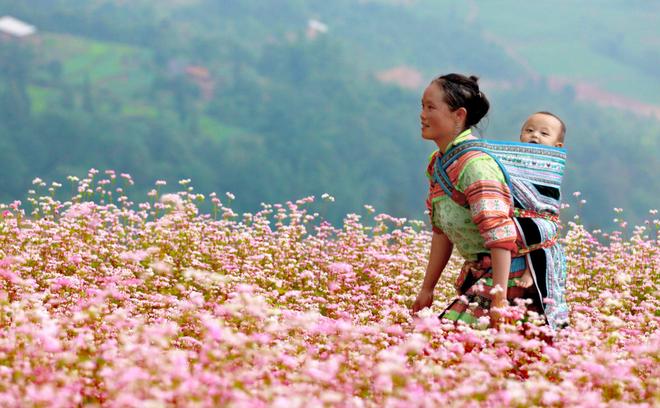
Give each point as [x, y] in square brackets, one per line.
[474, 284]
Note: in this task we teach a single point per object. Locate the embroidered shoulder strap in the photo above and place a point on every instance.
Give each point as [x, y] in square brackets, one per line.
[441, 177]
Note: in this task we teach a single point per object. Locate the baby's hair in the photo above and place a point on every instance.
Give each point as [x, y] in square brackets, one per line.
[562, 134]
[463, 92]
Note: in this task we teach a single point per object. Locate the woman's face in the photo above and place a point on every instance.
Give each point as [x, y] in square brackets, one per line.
[438, 122]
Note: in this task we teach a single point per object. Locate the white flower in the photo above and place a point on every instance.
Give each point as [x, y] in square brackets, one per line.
[172, 199]
[425, 313]
[327, 197]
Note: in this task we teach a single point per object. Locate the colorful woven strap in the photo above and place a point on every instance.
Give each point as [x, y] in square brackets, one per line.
[545, 244]
[520, 213]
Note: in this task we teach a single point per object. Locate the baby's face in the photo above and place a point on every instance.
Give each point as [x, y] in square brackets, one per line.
[542, 129]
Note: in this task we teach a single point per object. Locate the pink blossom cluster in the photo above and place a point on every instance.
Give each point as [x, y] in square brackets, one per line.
[106, 302]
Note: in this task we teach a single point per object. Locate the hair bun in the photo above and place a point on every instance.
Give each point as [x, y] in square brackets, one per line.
[463, 92]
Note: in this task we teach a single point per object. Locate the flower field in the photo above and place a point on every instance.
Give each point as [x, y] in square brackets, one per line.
[106, 302]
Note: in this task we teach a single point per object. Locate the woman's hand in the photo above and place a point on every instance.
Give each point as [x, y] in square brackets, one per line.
[424, 299]
[441, 248]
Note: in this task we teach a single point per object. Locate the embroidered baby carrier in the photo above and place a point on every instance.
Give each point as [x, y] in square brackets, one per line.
[534, 174]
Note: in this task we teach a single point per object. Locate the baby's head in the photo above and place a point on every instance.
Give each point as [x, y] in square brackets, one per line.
[543, 128]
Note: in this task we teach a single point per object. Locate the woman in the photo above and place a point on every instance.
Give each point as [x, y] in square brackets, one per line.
[477, 218]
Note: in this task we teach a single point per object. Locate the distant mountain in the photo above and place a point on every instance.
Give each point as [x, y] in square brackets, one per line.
[277, 100]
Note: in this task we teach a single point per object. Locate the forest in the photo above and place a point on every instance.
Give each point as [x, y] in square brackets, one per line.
[251, 98]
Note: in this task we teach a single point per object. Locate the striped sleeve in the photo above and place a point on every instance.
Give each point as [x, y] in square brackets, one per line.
[489, 198]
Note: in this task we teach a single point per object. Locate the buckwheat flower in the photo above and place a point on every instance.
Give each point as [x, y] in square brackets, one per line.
[230, 196]
[133, 256]
[173, 200]
[426, 313]
[10, 276]
[327, 197]
[196, 298]
[161, 267]
[550, 398]
[333, 286]
[161, 182]
[75, 259]
[340, 268]
[548, 301]
[415, 343]
[228, 213]
[577, 194]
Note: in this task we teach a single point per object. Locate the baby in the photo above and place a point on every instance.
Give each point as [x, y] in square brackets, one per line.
[543, 128]
[547, 129]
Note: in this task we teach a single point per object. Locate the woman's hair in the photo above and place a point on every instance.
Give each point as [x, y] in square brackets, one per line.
[463, 92]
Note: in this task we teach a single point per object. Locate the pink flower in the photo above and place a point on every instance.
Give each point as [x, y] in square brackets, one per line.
[340, 268]
[9, 276]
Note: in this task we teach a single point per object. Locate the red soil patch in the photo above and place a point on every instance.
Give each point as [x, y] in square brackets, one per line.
[587, 92]
[403, 76]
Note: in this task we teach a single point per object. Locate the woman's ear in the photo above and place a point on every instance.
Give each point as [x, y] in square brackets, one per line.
[461, 115]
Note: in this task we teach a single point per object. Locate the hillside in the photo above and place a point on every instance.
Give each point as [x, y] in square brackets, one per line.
[205, 90]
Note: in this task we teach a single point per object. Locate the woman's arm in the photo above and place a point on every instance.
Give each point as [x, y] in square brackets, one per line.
[501, 264]
[490, 201]
[441, 248]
